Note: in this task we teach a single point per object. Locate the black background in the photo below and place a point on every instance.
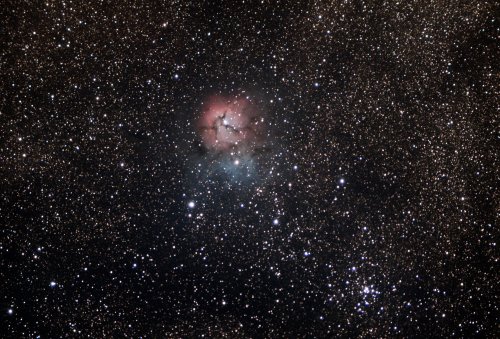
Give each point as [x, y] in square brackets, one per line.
[387, 226]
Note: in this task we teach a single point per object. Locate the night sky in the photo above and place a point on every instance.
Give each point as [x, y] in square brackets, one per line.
[249, 169]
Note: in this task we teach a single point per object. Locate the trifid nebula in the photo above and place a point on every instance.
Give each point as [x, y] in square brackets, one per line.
[250, 169]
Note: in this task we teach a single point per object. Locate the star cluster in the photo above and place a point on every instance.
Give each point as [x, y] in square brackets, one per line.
[354, 194]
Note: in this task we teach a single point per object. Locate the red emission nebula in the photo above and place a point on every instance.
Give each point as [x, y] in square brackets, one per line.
[229, 123]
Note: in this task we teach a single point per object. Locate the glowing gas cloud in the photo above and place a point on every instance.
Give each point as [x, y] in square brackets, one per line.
[230, 123]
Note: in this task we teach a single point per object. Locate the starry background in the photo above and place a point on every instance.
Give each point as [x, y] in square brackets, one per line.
[372, 210]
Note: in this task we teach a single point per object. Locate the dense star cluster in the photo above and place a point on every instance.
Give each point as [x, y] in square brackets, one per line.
[249, 169]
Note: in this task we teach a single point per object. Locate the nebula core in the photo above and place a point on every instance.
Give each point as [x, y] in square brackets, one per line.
[229, 123]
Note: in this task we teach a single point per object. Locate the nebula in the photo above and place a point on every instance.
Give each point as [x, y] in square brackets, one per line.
[229, 123]
[236, 140]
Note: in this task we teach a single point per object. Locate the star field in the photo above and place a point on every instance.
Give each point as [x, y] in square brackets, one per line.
[344, 185]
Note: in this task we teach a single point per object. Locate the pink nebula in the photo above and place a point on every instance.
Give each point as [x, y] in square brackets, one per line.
[228, 123]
